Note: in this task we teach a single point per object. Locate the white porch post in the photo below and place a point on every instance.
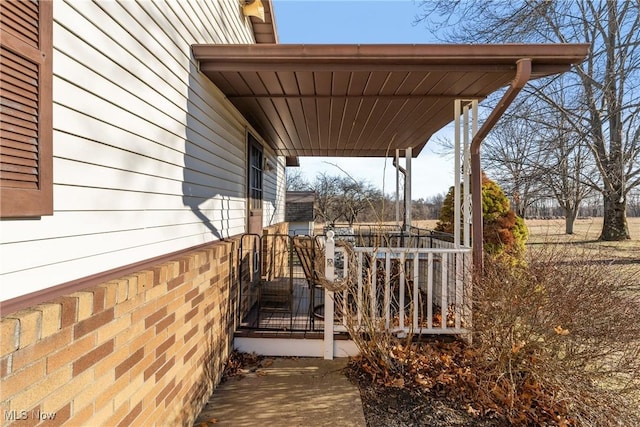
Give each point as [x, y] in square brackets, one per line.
[407, 188]
[456, 174]
[474, 131]
[329, 274]
[467, 312]
[467, 170]
[462, 168]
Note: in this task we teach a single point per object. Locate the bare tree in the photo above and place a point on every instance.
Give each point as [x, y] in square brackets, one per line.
[327, 191]
[513, 155]
[605, 94]
[556, 162]
[533, 155]
[344, 198]
[356, 197]
[634, 203]
[295, 180]
[567, 171]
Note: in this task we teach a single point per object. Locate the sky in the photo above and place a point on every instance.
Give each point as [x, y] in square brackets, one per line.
[365, 22]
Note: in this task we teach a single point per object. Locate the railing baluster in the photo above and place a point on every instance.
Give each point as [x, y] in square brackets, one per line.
[430, 291]
[458, 310]
[444, 285]
[468, 292]
[401, 284]
[359, 295]
[345, 293]
[387, 290]
[416, 291]
[373, 291]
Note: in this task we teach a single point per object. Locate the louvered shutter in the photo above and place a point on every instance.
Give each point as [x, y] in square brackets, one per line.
[25, 108]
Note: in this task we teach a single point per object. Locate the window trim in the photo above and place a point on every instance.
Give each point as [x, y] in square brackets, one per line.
[18, 202]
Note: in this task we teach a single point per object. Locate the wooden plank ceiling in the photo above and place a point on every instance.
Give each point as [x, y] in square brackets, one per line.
[364, 100]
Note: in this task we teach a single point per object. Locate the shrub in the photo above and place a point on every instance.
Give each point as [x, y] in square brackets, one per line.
[556, 341]
[503, 231]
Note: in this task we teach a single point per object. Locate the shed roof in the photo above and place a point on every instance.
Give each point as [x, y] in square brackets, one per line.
[365, 100]
[301, 196]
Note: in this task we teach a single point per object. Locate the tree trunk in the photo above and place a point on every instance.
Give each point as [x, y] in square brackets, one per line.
[615, 225]
[570, 216]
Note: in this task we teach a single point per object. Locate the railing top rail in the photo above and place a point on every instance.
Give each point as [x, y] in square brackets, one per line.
[398, 251]
[373, 230]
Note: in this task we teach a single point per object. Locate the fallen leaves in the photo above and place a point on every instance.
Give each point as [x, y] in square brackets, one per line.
[560, 331]
[515, 348]
[472, 411]
[397, 382]
[239, 364]
[454, 371]
[425, 382]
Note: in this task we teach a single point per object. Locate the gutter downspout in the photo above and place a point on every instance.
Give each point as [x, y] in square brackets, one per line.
[523, 73]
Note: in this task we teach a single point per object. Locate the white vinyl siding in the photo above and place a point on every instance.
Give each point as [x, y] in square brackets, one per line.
[149, 158]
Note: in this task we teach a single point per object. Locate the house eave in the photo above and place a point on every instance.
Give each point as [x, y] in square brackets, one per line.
[345, 100]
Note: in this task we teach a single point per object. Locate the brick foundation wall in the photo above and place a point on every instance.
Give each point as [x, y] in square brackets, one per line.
[146, 349]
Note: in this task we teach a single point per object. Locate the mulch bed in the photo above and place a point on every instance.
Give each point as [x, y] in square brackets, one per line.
[388, 406]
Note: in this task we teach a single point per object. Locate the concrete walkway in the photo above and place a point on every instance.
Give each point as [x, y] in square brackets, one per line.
[287, 392]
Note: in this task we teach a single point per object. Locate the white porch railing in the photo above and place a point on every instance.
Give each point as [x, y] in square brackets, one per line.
[404, 290]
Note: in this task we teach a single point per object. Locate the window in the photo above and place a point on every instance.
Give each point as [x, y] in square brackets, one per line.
[26, 158]
[255, 174]
[254, 187]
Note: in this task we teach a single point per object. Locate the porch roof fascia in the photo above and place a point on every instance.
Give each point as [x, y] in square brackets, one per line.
[265, 82]
[546, 59]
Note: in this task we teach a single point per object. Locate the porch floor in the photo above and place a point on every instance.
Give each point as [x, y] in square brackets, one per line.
[295, 315]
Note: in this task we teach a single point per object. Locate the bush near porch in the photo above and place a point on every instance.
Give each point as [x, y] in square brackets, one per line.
[556, 340]
[502, 231]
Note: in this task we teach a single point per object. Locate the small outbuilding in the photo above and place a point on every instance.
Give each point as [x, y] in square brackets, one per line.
[299, 212]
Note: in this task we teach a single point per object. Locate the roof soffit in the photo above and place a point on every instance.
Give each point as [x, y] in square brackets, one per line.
[364, 100]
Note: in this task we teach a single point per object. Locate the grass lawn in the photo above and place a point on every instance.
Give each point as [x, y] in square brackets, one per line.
[585, 237]
[622, 258]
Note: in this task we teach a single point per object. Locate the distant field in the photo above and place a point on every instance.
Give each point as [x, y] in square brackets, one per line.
[585, 237]
[625, 255]
[586, 233]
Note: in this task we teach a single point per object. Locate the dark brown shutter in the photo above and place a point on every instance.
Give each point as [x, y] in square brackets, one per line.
[26, 108]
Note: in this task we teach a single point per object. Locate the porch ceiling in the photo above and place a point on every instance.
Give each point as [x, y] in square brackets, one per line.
[364, 100]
